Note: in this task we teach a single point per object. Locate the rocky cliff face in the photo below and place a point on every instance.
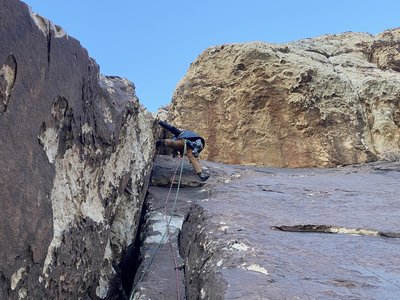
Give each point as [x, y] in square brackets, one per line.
[326, 101]
[76, 151]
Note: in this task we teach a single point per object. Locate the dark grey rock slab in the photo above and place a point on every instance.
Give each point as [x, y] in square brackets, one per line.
[233, 249]
[156, 277]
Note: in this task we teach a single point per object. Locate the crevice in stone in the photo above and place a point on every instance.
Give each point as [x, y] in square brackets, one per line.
[49, 37]
[132, 259]
[319, 52]
[336, 230]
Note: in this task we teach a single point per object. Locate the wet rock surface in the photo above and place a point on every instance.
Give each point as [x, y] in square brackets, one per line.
[267, 233]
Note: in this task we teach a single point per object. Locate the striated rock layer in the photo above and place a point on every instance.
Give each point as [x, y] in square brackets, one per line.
[331, 100]
[76, 151]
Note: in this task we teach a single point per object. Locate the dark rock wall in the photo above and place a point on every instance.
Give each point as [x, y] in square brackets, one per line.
[70, 142]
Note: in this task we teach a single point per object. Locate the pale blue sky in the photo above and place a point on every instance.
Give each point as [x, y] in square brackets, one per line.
[152, 43]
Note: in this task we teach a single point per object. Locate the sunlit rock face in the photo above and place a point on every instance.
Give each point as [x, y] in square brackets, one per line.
[76, 150]
[331, 100]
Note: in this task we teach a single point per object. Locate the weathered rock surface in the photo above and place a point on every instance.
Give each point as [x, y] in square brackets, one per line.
[266, 233]
[156, 277]
[326, 101]
[72, 143]
[295, 234]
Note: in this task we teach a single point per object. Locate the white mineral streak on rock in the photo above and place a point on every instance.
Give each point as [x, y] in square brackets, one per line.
[352, 231]
[47, 26]
[223, 228]
[109, 84]
[8, 74]
[16, 277]
[141, 295]
[239, 246]
[133, 155]
[22, 293]
[49, 141]
[202, 294]
[76, 193]
[159, 226]
[86, 128]
[257, 268]
[107, 115]
[106, 273]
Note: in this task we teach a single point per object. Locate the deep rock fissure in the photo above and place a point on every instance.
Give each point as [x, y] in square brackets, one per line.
[133, 257]
[160, 274]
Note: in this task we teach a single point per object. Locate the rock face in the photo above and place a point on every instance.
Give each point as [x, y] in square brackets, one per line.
[157, 277]
[331, 100]
[272, 233]
[295, 234]
[76, 151]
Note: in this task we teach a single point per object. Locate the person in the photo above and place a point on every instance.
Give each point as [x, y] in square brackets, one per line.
[194, 145]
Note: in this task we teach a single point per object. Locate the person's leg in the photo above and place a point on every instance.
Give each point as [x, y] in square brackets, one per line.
[176, 145]
[180, 145]
[196, 165]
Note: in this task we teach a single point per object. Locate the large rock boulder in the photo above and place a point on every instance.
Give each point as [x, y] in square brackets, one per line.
[331, 100]
[76, 150]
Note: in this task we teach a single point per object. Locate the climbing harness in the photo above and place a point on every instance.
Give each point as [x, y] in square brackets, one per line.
[166, 233]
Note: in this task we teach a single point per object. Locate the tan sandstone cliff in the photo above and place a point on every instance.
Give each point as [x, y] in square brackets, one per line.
[326, 101]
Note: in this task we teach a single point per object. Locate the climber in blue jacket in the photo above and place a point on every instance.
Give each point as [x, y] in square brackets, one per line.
[195, 144]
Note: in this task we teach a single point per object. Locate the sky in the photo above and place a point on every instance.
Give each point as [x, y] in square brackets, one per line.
[153, 42]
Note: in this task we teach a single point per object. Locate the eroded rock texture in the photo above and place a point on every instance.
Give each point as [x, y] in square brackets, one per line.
[331, 100]
[76, 150]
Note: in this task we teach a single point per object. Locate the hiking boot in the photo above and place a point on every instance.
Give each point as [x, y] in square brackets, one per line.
[202, 176]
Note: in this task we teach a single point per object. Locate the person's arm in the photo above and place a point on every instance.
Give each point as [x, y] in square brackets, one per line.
[175, 131]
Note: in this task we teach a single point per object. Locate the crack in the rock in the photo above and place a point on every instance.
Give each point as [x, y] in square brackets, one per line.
[319, 52]
[337, 230]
